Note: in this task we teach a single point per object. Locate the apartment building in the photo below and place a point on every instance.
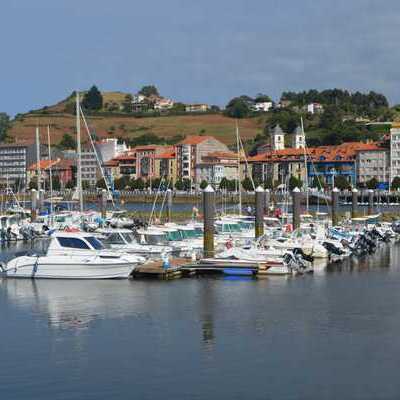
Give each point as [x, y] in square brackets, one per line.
[394, 151]
[217, 165]
[373, 163]
[15, 159]
[190, 152]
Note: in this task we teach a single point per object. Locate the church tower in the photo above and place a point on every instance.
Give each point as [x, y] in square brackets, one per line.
[299, 140]
[277, 138]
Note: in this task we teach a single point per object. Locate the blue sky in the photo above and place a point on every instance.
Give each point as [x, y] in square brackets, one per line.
[208, 51]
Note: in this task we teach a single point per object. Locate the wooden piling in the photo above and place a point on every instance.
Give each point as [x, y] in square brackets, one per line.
[296, 207]
[41, 200]
[370, 202]
[103, 203]
[169, 205]
[208, 216]
[354, 203]
[335, 206]
[267, 199]
[259, 205]
[34, 199]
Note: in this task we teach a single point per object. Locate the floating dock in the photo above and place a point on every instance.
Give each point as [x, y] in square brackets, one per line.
[156, 270]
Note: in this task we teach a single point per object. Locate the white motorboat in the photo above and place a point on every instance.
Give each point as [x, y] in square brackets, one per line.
[126, 241]
[74, 255]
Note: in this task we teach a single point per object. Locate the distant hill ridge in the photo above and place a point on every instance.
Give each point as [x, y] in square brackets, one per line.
[117, 124]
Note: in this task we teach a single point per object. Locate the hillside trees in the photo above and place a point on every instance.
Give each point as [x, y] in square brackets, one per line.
[238, 107]
[357, 103]
[67, 142]
[149, 90]
[93, 100]
[4, 125]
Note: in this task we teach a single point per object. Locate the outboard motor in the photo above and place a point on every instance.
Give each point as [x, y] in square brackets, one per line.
[299, 253]
[332, 249]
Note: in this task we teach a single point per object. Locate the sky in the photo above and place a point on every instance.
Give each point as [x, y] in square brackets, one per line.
[195, 51]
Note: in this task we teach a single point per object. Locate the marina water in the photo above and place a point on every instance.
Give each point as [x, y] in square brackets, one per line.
[330, 335]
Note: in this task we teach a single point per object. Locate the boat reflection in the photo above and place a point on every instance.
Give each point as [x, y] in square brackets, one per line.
[75, 304]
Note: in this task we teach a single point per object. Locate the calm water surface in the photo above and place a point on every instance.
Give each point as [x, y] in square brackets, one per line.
[331, 335]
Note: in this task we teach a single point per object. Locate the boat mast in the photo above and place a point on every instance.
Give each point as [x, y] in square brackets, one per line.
[38, 172]
[79, 151]
[50, 173]
[305, 165]
[238, 166]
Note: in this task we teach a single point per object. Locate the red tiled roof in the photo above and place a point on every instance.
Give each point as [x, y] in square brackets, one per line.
[111, 163]
[195, 139]
[64, 164]
[146, 147]
[343, 152]
[222, 154]
[168, 154]
[43, 164]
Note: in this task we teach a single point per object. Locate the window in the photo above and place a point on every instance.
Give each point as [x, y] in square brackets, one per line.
[114, 238]
[96, 244]
[72, 243]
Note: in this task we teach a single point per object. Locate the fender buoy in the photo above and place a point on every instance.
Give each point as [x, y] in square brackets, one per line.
[71, 229]
[288, 228]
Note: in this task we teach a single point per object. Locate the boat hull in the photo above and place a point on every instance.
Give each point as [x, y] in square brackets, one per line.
[44, 268]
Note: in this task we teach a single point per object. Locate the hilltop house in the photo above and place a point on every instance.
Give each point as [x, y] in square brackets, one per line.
[197, 107]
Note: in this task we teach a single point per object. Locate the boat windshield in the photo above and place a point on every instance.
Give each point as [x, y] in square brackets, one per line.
[129, 237]
[246, 225]
[95, 243]
[72, 243]
[174, 235]
[188, 234]
[114, 238]
[156, 239]
[228, 228]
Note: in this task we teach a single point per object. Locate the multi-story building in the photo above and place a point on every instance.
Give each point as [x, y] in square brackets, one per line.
[165, 165]
[217, 165]
[190, 152]
[109, 148]
[15, 159]
[373, 163]
[324, 162]
[278, 165]
[394, 151]
[328, 162]
[90, 167]
[62, 169]
[146, 162]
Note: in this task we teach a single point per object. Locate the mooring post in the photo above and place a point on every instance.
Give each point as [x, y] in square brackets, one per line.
[169, 205]
[208, 215]
[260, 203]
[103, 203]
[335, 206]
[267, 199]
[354, 203]
[34, 199]
[296, 207]
[41, 200]
[370, 202]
